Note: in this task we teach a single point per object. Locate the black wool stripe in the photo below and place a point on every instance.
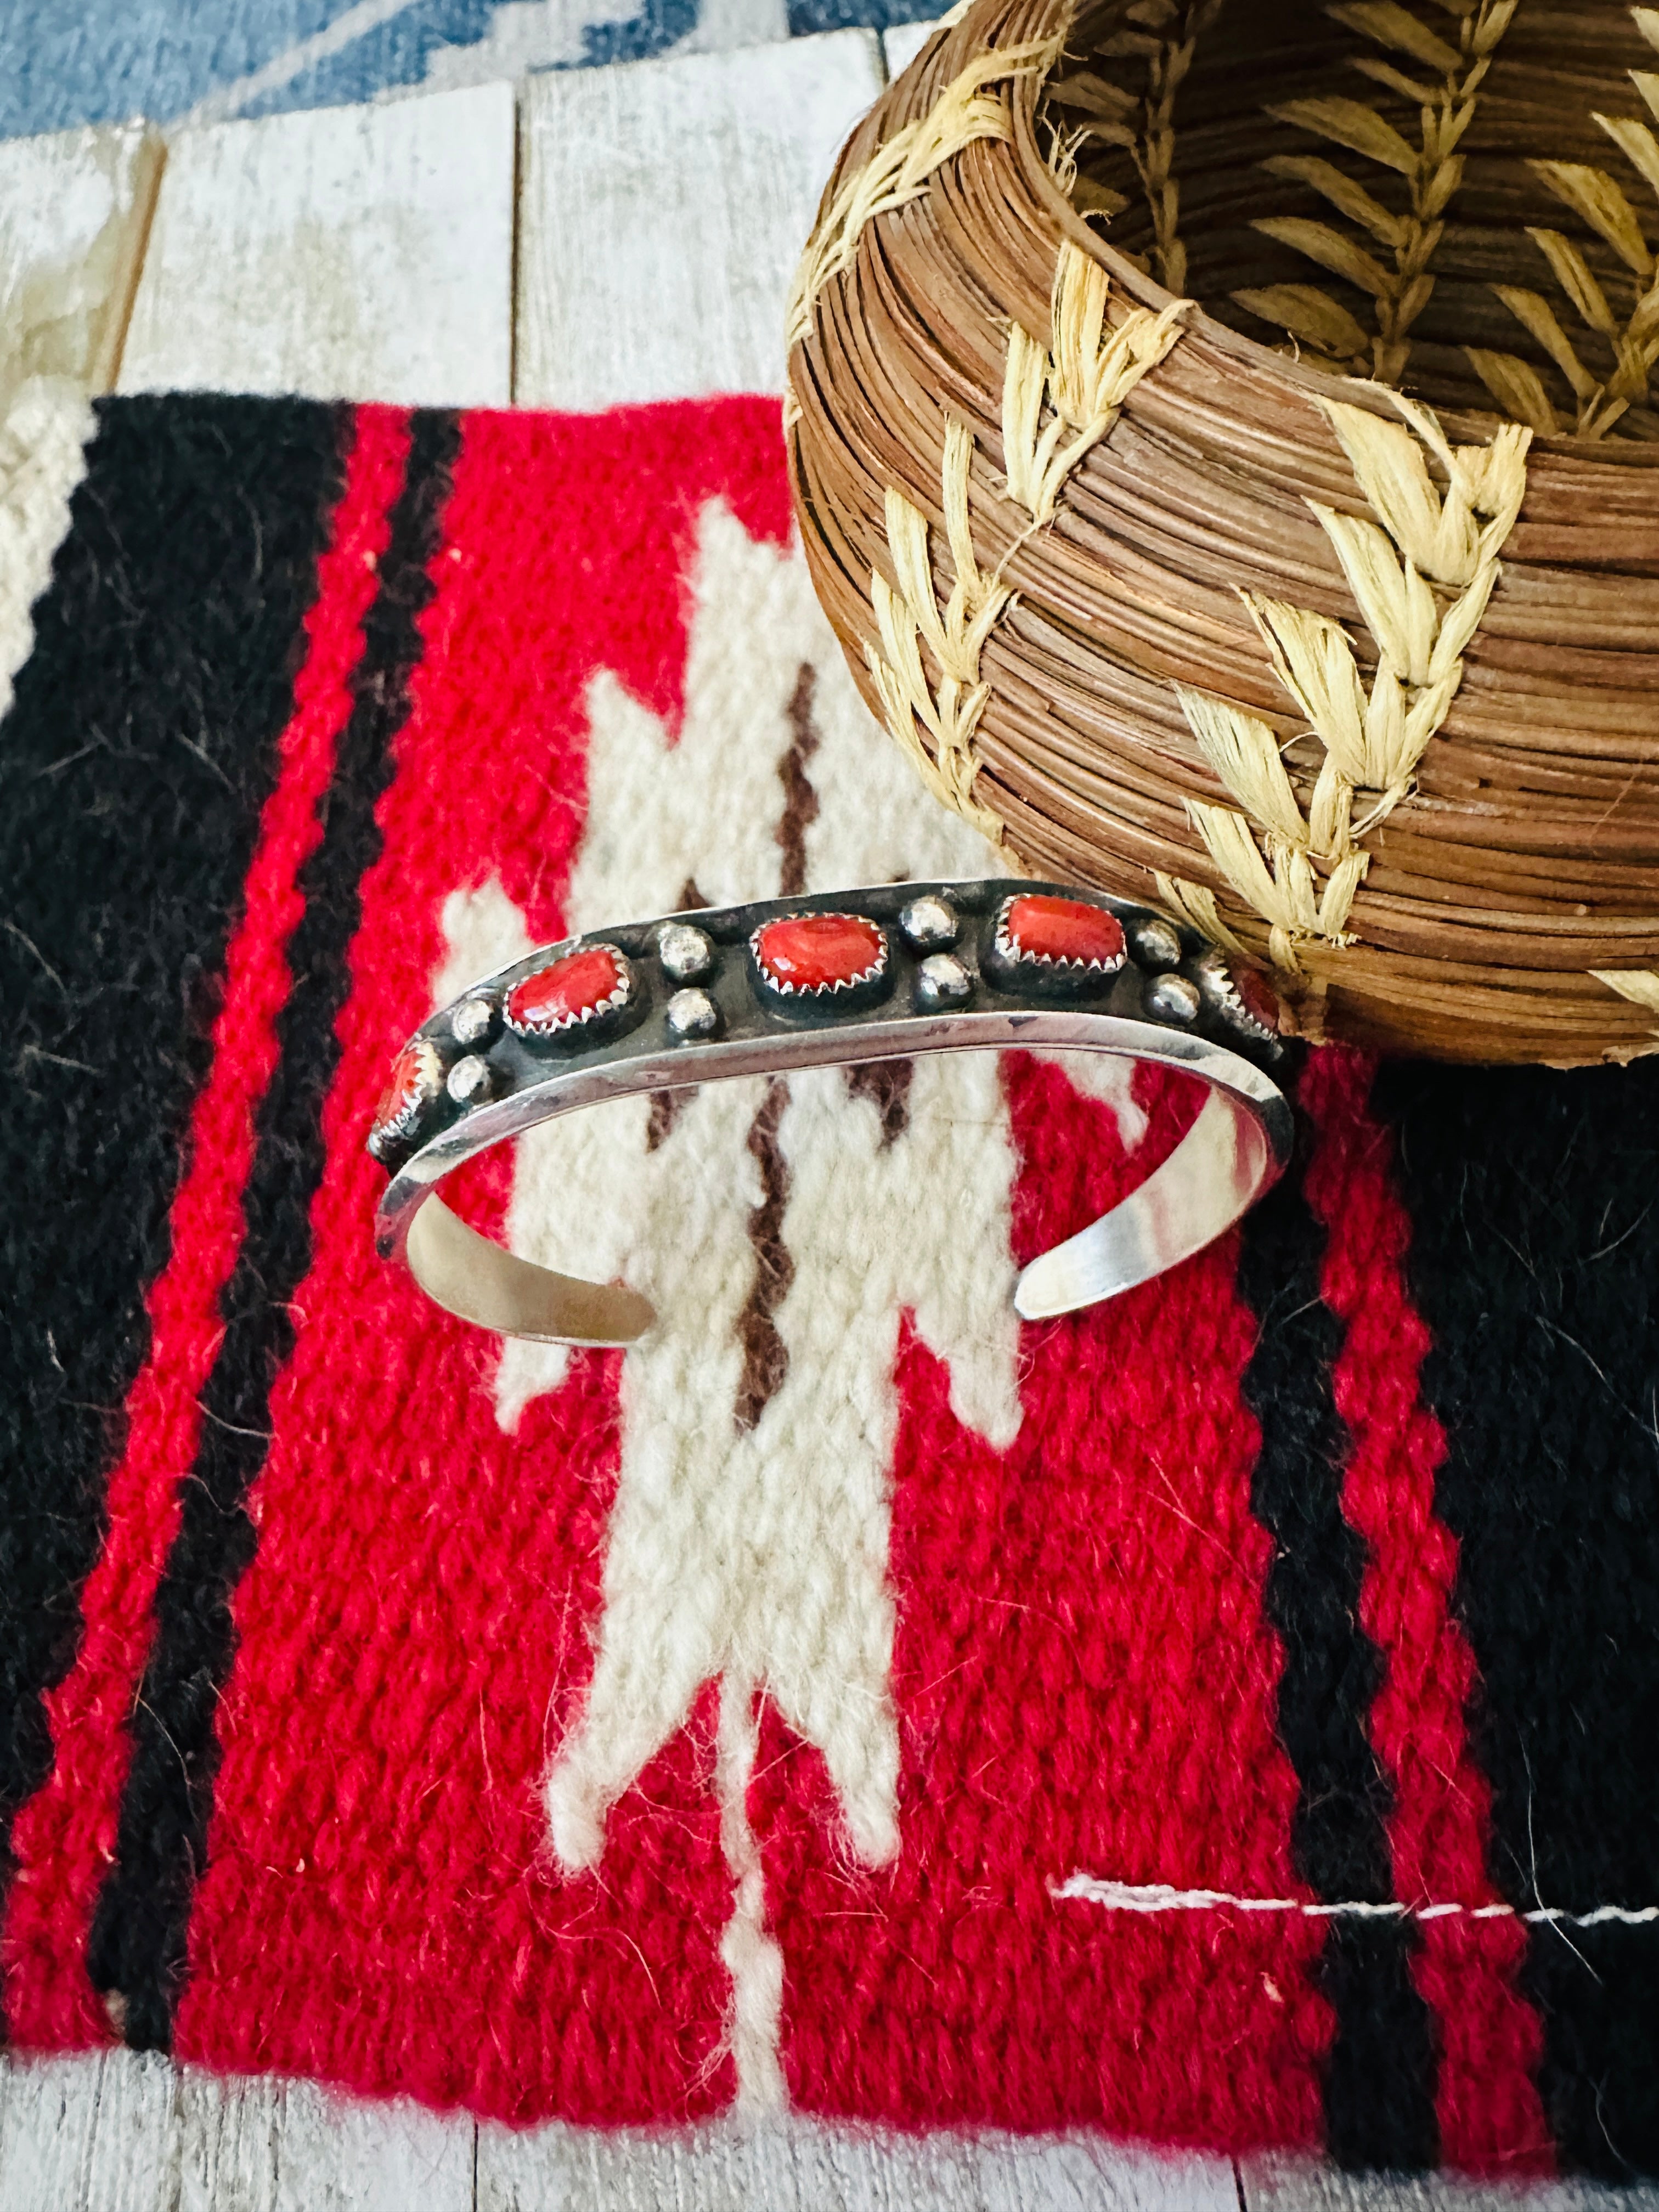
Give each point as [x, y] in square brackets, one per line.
[138, 753]
[138, 1941]
[1535, 1261]
[1380, 2084]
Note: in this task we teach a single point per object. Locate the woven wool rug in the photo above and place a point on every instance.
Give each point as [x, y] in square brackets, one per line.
[1227, 1717]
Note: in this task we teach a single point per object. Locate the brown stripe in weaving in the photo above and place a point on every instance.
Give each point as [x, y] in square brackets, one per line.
[800, 801]
[886, 1082]
[765, 1355]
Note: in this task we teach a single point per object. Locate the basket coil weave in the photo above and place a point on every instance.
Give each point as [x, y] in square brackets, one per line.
[1225, 438]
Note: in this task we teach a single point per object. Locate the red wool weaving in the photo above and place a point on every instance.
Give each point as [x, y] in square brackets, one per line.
[1213, 1717]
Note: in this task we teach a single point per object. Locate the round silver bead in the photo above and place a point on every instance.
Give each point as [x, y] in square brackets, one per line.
[942, 981]
[471, 1081]
[470, 1022]
[929, 923]
[1155, 944]
[1172, 998]
[684, 951]
[692, 1015]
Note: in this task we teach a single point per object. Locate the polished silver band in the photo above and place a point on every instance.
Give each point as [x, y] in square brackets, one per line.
[880, 973]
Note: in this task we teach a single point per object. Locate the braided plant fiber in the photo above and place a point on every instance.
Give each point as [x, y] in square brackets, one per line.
[1225, 438]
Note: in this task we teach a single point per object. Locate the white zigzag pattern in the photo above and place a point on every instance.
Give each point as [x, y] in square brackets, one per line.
[759, 1557]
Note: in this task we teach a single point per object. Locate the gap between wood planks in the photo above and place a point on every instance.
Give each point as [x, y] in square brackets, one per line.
[118, 2132]
[586, 239]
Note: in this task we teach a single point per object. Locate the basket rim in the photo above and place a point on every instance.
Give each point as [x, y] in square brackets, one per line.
[1112, 740]
[983, 17]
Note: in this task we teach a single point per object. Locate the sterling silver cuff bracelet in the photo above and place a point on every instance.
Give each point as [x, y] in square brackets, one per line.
[881, 974]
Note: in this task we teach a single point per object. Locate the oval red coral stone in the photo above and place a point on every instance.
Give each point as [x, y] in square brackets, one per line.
[412, 1085]
[405, 1087]
[819, 952]
[1042, 927]
[1255, 995]
[567, 992]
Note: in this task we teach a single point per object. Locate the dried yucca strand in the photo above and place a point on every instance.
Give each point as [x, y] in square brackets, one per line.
[898, 171]
[947, 709]
[1640, 987]
[1277, 884]
[1373, 739]
[1084, 378]
[1598, 196]
[1387, 253]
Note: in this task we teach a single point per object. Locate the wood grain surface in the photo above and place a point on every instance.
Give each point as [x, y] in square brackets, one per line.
[74, 210]
[357, 253]
[1303, 2184]
[117, 2132]
[664, 208]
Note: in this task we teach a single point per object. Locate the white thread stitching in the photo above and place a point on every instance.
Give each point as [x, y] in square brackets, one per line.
[1162, 1897]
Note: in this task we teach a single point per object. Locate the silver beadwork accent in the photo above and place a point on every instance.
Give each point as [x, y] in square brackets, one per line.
[1172, 998]
[684, 951]
[1155, 943]
[930, 923]
[691, 1015]
[943, 981]
[471, 1022]
[471, 1081]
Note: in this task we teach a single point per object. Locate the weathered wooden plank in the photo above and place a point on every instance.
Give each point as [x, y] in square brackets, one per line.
[89, 2134]
[902, 42]
[114, 2131]
[806, 2166]
[1300, 2185]
[357, 253]
[74, 210]
[290, 2147]
[664, 208]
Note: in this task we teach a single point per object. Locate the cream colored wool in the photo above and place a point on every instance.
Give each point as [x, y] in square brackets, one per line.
[42, 459]
[760, 1557]
[748, 1953]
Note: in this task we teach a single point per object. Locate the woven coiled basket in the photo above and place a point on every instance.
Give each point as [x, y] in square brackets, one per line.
[1226, 437]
